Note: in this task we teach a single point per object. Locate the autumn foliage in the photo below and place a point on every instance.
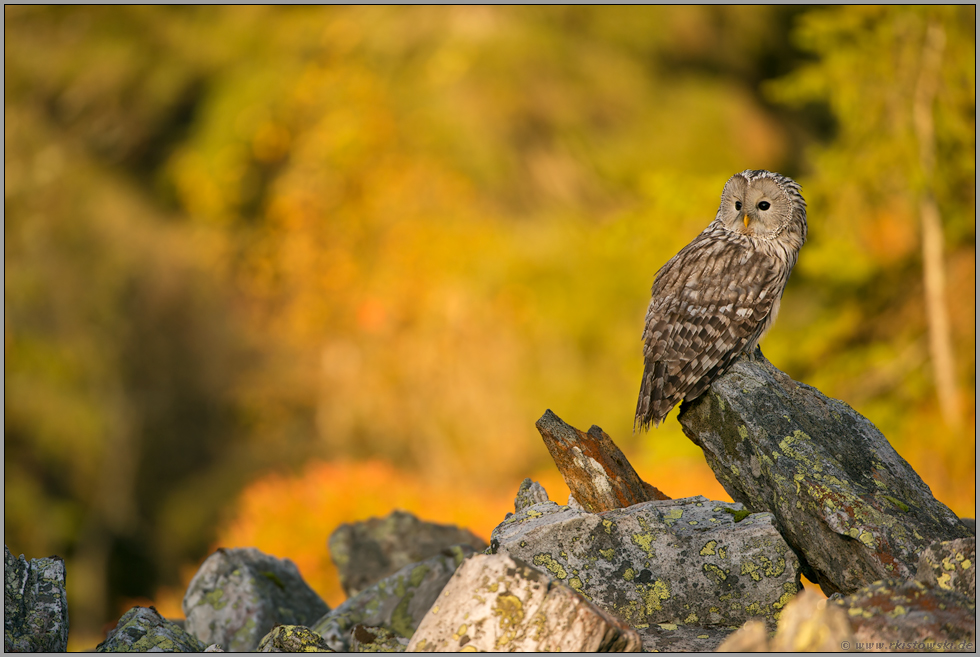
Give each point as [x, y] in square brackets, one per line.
[272, 269]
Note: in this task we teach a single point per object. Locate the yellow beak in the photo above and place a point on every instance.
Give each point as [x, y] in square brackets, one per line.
[745, 220]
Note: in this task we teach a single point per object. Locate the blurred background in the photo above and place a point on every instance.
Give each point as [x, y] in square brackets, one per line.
[268, 270]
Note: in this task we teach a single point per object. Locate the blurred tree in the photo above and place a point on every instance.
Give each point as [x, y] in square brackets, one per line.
[901, 85]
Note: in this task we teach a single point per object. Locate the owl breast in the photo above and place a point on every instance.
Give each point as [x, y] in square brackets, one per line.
[719, 295]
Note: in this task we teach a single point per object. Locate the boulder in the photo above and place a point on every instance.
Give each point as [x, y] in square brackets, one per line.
[688, 562]
[950, 565]
[238, 595]
[502, 604]
[292, 638]
[35, 604]
[397, 603]
[852, 508]
[143, 629]
[908, 616]
[366, 552]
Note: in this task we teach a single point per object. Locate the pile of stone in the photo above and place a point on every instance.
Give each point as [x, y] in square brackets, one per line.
[620, 567]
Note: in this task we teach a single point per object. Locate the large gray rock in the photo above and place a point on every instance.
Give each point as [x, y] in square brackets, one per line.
[239, 594]
[366, 552]
[688, 562]
[143, 629]
[852, 508]
[397, 603]
[501, 604]
[35, 604]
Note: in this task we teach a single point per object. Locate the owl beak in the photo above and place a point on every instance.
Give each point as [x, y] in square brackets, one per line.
[745, 220]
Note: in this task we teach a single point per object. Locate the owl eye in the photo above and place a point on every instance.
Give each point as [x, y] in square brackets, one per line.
[738, 205]
[763, 205]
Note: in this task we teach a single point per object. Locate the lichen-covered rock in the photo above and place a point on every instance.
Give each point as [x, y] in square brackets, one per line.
[364, 638]
[143, 629]
[366, 552]
[678, 637]
[397, 603]
[951, 565]
[292, 638]
[901, 616]
[498, 603]
[238, 595]
[808, 624]
[684, 562]
[35, 605]
[529, 494]
[848, 504]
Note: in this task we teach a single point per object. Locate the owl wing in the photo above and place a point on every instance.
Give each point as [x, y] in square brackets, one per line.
[709, 302]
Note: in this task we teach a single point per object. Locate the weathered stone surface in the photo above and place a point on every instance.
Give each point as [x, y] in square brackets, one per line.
[596, 471]
[143, 629]
[292, 638]
[398, 602]
[498, 603]
[35, 605]
[366, 552]
[848, 504]
[678, 637]
[893, 615]
[375, 639]
[238, 595]
[950, 565]
[529, 494]
[685, 562]
[808, 624]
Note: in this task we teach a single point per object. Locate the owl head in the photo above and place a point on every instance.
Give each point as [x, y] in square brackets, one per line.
[763, 205]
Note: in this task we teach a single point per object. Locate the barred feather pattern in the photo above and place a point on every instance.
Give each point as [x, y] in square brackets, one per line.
[720, 294]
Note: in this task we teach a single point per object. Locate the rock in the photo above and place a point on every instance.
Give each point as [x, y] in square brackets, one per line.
[498, 603]
[238, 595]
[397, 603]
[908, 616]
[365, 552]
[950, 565]
[143, 629]
[529, 494]
[852, 508]
[35, 605]
[292, 638]
[678, 637]
[375, 639]
[678, 562]
[596, 471]
[808, 624]
[214, 647]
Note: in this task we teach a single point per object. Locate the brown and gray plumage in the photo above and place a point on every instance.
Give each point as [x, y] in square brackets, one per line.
[720, 294]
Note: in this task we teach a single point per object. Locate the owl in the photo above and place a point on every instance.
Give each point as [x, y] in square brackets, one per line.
[720, 294]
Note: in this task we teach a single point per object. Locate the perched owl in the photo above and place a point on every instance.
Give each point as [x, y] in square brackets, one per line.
[720, 294]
